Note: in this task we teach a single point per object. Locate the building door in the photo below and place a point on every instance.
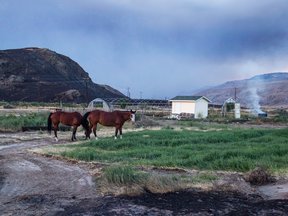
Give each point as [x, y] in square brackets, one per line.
[177, 107]
[237, 110]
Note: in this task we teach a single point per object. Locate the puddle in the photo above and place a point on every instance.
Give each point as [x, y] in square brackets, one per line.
[275, 191]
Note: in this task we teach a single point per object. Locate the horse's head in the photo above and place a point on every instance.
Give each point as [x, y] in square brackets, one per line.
[132, 116]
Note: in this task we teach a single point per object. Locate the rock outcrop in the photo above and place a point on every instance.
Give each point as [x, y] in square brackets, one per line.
[39, 74]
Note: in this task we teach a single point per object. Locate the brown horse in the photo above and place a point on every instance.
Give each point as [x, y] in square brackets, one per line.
[114, 119]
[69, 119]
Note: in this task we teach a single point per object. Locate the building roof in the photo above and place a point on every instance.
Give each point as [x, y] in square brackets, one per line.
[189, 98]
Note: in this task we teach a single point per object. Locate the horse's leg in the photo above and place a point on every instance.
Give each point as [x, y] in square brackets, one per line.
[116, 131]
[120, 129]
[74, 133]
[55, 131]
[90, 130]
[94, 131]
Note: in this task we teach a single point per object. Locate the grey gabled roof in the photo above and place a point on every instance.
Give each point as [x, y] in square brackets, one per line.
[189, 98]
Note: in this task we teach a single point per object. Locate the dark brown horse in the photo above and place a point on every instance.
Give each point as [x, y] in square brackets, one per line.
[114, 119]
[69, 119]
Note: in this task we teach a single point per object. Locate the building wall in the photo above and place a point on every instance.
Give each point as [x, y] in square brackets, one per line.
[183, 107]
[201, 109]
[188, 107]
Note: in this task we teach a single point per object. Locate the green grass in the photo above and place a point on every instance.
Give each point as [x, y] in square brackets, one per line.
[226, 150]
[17, 122]
[119, 179]
[122, 174]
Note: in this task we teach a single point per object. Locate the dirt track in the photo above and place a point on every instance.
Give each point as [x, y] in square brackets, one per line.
[35, 185]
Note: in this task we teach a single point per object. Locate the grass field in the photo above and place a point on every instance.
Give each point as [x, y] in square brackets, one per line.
[189, 144]
[227, 150]
[13, 122]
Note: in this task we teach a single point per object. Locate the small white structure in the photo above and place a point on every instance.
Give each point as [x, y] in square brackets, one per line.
[98, 100]
[237, 107]
[196, 105]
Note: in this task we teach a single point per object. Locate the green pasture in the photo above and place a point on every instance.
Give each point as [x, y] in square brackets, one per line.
[225, 150]
[13, 122]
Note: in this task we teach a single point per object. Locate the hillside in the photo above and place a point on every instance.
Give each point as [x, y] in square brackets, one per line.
[38, 74]
[270, 90]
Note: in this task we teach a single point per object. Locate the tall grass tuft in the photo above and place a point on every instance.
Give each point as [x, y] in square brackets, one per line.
[127, 180]
[121, 175]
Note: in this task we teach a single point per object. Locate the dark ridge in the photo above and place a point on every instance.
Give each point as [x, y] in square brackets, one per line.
[39, 74]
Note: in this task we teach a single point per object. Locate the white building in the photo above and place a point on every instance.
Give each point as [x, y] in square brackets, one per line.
[196, 105]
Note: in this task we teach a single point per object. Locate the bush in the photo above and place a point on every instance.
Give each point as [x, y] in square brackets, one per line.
[34, 103]
[282, 117]
[123, 102]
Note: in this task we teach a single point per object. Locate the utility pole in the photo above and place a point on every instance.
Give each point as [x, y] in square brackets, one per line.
[140, 94]
[235, 93]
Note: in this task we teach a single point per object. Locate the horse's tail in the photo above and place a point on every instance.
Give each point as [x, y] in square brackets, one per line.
[49, 127]
[85, 122]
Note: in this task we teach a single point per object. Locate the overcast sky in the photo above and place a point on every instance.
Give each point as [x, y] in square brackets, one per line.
[158, 47]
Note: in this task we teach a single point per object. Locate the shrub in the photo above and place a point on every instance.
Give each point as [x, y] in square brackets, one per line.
[123, 102]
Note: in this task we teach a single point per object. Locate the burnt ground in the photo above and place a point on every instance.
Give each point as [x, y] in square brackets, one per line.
[31, 184]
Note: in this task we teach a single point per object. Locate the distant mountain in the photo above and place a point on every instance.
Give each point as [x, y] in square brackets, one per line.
[270, 90]
[264, 78]
[38, 74]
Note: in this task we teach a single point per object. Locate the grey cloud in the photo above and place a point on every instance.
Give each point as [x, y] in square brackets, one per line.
[204, 38]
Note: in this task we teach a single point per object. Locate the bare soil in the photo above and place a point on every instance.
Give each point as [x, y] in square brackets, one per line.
[35, 184]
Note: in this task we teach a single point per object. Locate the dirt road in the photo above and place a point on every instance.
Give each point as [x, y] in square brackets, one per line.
[34, 185]
[37, 185]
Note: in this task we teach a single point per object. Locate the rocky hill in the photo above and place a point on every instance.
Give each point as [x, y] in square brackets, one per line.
[38, 74]
[267, 90]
